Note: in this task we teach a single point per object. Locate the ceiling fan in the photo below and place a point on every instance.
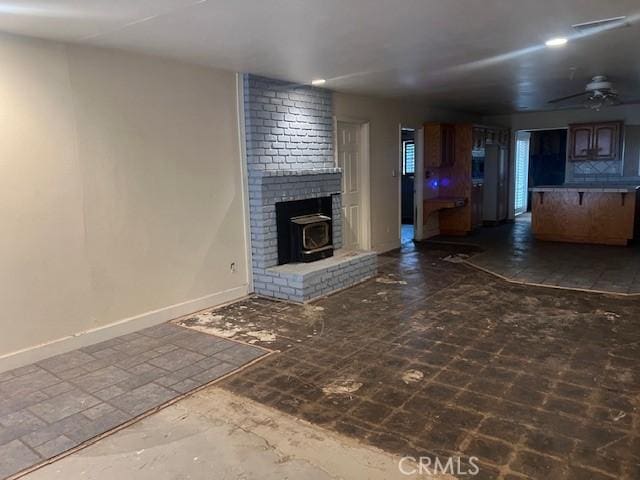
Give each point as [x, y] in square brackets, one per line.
[599, 93]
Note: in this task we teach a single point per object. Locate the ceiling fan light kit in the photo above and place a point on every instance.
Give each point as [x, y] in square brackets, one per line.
[599, 94]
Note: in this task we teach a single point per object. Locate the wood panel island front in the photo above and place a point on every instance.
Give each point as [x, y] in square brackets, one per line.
[599, 214]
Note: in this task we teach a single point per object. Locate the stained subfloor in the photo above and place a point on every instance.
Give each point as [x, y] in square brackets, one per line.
[62, 402]
[511, 251]
[439, 359]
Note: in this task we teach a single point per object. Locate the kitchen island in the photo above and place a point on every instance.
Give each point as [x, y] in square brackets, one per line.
[585, 213]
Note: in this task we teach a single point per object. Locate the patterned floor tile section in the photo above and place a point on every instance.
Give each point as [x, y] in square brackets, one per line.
[511, 251]
[438, 359]
[63, 401]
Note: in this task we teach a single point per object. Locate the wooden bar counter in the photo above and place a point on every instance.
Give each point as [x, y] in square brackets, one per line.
[599, 214]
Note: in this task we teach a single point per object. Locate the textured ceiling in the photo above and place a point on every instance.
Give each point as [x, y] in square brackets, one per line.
[484, 56]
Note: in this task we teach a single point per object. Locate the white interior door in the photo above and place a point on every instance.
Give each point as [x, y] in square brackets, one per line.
[349, 160]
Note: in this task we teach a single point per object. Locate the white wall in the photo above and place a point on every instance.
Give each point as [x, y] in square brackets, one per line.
[120, 189]
[385, 117]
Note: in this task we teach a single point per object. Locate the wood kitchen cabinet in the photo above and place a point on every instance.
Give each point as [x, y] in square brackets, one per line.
[461, 197]
[606, 140]
[439, 145]
[595, 141]
[598, 215]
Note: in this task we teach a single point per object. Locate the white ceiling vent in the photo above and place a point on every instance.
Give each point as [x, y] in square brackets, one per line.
[601, 25]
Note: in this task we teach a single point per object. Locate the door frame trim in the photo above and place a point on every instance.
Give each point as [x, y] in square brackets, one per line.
[418, 187]
[365, 174]
[244, 173]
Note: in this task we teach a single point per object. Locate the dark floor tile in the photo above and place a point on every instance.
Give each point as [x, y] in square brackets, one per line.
[484, 472]
[55, 447]
[441, 436]
[176, 359]
[548, 443]
[390, 396]
[76, 358]
[160, 331]
[81, 431]
[391, 442]
[373, 413]
[142, 399]
[214, 373]
[21, 420]
[406, 424]
[581, 473]
[556, 404]
[488, 450]
[100, 379]
[64, 405]
[16, 456]
[505, 430]
[22, 386]
[239, 354]
[59, 403]
[539, 466]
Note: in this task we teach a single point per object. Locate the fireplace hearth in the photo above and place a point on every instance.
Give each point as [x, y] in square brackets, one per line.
[304, 230]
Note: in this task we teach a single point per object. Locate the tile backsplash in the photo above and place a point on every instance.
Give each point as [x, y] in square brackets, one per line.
[594, 171]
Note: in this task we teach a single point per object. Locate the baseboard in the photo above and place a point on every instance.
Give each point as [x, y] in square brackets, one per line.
[386, 247]
[122, 327]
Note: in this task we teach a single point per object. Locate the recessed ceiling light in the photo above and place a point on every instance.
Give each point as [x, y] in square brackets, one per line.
[556, 42]
[319, 81]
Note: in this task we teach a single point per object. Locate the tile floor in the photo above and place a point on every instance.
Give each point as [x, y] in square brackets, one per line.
[510, 250]
[61, 402]
[433, 358]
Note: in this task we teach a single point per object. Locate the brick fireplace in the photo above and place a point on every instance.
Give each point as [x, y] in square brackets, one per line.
[289, 144]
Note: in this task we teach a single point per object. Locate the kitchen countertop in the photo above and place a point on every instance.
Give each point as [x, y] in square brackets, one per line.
[587, 187]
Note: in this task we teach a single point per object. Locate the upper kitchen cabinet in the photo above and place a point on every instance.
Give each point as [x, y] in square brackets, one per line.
[595, 141]
[454, 158]
[439, 145]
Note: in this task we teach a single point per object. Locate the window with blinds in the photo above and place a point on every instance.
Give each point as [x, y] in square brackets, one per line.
[408, 157]
[522, 172]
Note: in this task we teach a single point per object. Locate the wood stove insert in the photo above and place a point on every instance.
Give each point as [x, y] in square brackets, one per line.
[304, 230]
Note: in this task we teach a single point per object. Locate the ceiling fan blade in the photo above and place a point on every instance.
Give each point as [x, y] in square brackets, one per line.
[575, 106]
[568, 97]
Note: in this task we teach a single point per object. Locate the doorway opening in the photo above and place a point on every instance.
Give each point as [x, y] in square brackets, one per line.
[540, 160]
[407, 186]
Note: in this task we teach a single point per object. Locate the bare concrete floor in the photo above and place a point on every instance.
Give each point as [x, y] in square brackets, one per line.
[217, 435]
